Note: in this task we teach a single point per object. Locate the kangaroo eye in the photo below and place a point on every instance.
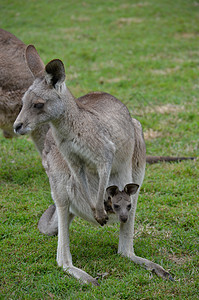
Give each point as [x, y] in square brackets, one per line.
[38, 105]
[129, 207]
[116, 206]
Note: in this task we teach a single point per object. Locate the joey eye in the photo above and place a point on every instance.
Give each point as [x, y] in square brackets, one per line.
[116, 206]
[129, 206]
[38, 105]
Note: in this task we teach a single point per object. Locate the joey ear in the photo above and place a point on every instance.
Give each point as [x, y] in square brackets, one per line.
[112, 190]
[131, 188]
[55, 72]
[34, 61]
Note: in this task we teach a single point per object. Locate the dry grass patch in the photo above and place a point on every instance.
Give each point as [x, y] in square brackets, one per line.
[165, 109]
[169, 58]
[79, 19]
[112, 80]
[165, 71]
[179, 260]
[145, 230]
[159, 109]
[96, 66]
[69, 29]
[186, 35]
[127, 21]
[151, 134]
[129, 6]
[72, 76]
[152, 231]
[139, 4]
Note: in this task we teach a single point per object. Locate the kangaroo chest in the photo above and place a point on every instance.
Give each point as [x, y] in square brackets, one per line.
[78, 154]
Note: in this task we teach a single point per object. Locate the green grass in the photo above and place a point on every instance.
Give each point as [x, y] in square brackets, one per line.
[146, 54]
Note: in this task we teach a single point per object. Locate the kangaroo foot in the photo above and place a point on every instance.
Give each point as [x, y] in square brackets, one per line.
[81, 275]
[160, 272]
[151, 266]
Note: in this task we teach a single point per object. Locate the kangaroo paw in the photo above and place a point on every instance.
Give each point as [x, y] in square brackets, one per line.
[101, 217]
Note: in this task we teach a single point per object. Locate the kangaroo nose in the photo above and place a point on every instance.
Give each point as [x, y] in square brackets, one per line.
[17, 127]
[123, 219]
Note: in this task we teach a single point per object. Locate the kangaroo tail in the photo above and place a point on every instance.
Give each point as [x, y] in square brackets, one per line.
[155, 159]
[48, 223]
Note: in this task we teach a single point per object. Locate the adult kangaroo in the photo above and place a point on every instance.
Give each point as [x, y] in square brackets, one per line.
[93, 143]
[15, 79]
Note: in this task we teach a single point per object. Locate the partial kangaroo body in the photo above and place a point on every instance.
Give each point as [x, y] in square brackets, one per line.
[93, 143]
[117, 202]
[15, 79]
[95, 134]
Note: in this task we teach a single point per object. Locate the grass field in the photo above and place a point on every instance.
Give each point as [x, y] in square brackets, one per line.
[146, 53]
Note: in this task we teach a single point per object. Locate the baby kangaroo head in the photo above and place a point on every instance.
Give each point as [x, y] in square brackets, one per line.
[120, 201]
[42, 102]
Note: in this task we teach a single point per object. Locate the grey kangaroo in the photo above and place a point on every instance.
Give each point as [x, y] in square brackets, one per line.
[93, 143]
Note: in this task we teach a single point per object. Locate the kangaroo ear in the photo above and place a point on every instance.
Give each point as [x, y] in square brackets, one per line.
[112, 190]
[131, 188]
[34, 61]
[55, 72]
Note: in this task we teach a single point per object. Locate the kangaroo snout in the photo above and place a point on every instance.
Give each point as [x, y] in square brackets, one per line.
[123, 219]
[21, 128]
[17, 127]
